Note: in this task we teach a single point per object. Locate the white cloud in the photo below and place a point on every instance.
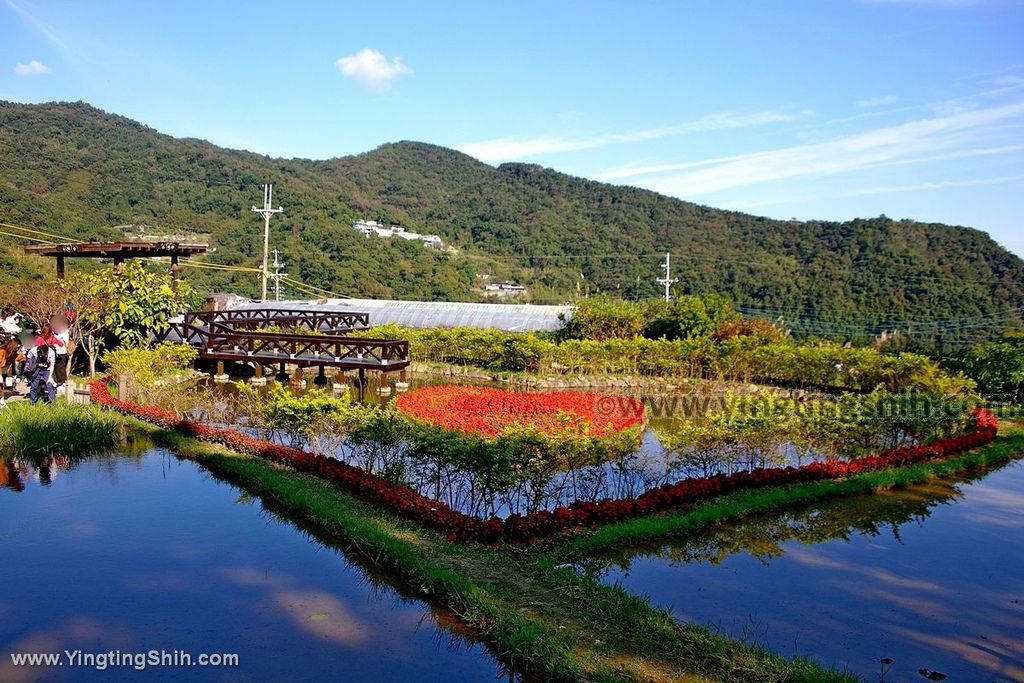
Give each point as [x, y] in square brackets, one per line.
[895, 144]
[505, 149]
[876, 101]
[743, 205]
[33, 68]
[371, 69]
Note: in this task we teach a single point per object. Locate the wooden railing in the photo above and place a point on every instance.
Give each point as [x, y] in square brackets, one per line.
[219, 341]
[337, 322]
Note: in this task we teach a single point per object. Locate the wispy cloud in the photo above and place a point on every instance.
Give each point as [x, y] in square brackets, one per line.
[893, 144]
[33, 68]
[876, 190]
[505, 149]
[371, 69]
[40, 26]
[876, 101]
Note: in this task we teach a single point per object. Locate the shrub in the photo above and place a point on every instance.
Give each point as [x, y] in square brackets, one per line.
[602, 317]
[734, 357]
[146, 366]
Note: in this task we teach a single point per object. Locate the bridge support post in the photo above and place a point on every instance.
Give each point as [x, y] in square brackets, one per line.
[321, 378]
[298, 381]
[282, 374]
[403, 382]
[258, 380]
[220, 377]
[361, 383]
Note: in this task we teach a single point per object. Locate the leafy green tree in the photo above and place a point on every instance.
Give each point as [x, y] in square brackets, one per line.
[121, 305]
[602, 317]
[997, 366]
[688, 317]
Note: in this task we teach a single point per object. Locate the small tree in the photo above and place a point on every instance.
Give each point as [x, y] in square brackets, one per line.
[123, 305]
[88, 303]
[37, 299]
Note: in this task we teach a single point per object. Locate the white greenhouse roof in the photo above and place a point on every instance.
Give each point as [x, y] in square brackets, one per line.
[424, 314]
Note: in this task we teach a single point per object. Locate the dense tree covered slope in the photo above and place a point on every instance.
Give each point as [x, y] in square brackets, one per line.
[75, 170]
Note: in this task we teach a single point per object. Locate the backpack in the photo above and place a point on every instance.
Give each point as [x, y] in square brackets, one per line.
[39, 362]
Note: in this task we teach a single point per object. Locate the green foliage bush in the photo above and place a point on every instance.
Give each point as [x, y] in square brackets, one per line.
[324, 423]
[601, 318]
[144, 367]
[997, 366]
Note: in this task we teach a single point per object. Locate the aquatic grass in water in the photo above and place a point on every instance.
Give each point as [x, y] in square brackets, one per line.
[60, 428]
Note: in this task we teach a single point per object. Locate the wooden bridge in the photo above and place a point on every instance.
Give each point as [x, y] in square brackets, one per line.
[302, 339]
[285, 319]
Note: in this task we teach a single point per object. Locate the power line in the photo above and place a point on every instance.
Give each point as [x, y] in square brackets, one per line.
[316, 291]
[25, 237]
[861, 270]
[219, 266]
[36, 232]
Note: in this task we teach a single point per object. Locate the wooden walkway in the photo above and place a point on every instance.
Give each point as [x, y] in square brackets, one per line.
[324, 341]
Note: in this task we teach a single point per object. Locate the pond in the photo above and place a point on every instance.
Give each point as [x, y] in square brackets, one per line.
[477, 493]
[149, 552]
[929, 577]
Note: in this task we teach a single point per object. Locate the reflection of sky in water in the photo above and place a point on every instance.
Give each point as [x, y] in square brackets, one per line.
[151, 552]
[931, 578]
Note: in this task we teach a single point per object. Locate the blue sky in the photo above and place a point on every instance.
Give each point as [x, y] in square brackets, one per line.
[820, 109]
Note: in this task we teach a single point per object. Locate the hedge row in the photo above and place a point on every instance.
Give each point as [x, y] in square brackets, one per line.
[741, 359]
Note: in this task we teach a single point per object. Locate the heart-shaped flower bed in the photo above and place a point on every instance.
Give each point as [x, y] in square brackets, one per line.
[490, 412]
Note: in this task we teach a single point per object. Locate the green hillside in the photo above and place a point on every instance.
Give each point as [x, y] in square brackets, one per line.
[72, 169]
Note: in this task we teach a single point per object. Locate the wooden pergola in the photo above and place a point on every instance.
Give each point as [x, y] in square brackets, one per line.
[119, 251]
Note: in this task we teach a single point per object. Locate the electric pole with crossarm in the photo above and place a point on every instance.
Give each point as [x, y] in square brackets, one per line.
[266, 211]
[668, 280]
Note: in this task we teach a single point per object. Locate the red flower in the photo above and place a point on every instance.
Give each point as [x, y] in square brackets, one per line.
[488, 411]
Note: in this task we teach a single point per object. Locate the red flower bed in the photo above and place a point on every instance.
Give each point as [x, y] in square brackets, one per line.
[516, 528]
[488, 412]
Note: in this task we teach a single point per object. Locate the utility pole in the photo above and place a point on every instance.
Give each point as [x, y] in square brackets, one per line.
[266, 211]
[667, 280]
[277, 266]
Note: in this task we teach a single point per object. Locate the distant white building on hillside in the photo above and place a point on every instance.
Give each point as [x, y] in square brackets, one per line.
[503, 289]
[371, 228]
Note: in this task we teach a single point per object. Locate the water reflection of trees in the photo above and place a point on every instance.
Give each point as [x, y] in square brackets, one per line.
[733, 433]
[765, 536]
[16, 471]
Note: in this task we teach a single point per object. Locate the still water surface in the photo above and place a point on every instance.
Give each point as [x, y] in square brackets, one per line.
[142, 552]
[931, 577]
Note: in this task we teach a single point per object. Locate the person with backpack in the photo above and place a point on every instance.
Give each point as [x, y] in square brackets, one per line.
[62, 347]
[39, 364]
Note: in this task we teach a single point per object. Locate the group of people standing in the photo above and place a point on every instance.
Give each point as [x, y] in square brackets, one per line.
[40, 354]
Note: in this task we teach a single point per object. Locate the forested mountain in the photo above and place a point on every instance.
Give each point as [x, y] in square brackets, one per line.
[72, 169]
